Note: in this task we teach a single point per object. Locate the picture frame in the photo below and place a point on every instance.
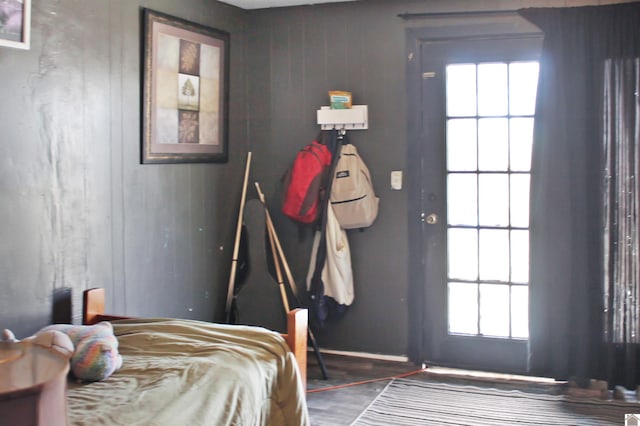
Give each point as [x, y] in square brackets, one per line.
[15, 23]
[185, 91]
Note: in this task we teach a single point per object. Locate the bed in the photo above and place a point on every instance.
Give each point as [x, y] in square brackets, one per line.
[188, 372]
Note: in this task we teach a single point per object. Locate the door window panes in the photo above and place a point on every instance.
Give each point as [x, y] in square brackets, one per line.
[522, 93]
[494, 255]
[520, 143]
[494, 310]
[462, 147]
[462, 199]
[492, 90]
[463, 253]
[520, 256]
[490, 118]
[520, 303]
[493, 199]
[461, 90]
[463, 308]
[519, 194]
[493, 144]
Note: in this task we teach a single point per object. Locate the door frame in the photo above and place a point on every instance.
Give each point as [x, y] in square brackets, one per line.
[420, 332]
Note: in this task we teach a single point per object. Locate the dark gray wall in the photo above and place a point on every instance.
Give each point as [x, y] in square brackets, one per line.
[77, 210]
[295, 55]
[302, 53]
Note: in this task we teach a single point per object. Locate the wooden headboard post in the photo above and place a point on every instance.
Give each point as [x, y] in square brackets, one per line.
[93, 305]
[296, 337]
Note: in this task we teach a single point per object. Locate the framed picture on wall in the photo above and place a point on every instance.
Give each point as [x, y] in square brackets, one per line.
[185, 91]
[15, 23]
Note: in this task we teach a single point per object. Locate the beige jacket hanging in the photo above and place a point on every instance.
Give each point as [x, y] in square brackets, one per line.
[337, 274]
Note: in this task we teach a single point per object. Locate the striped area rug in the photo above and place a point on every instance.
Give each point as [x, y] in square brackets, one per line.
[413, 402]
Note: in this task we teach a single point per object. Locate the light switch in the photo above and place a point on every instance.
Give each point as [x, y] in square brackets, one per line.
[396, 179]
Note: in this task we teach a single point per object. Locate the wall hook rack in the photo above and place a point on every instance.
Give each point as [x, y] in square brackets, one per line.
[354, 118]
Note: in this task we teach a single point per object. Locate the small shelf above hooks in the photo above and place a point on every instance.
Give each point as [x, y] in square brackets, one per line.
[354, 118]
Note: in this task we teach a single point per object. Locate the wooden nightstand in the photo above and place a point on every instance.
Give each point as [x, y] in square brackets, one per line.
[33, 383]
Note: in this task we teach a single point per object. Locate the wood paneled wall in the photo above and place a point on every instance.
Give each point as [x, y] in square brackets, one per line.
[77, 208]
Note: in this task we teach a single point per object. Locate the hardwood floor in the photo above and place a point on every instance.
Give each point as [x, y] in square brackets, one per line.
[337, 407]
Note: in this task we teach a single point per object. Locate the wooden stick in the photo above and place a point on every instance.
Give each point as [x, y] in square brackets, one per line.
[236, 246]
[292, 284]
[271, 227]
[276, 264]
[274, 252]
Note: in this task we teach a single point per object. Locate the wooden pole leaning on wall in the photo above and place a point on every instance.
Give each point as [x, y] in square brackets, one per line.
[236, 245]
[276, 264]
[279, 253]
[276, 240]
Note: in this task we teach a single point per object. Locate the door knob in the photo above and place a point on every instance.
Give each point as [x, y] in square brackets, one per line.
[431, 219]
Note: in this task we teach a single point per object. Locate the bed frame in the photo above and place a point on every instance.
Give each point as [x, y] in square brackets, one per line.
[296, 336]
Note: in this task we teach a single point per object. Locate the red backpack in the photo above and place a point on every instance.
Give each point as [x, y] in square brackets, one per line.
[304, 181]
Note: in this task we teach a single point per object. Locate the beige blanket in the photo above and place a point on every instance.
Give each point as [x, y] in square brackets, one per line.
[185, 372]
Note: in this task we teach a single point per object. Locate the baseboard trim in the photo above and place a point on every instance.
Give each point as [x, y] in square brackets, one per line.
[488, 375]
[381, 357]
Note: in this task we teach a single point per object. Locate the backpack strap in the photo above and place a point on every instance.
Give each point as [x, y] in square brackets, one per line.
[318, 304]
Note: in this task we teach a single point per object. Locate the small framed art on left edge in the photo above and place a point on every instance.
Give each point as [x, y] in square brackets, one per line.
[15, 23]
[185, 91]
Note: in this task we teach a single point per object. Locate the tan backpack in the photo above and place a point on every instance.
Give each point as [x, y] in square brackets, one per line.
[353, 199]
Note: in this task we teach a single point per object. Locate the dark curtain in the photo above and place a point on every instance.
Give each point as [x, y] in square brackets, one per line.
[621, 227]
[569, 306]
